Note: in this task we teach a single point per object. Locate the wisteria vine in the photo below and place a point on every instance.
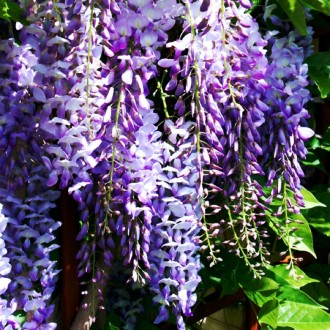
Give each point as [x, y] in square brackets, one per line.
[161, 118]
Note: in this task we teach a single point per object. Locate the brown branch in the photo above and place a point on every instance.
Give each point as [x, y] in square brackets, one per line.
[87, 312]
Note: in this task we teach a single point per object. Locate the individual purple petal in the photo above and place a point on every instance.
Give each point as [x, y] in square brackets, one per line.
[82, 232]
[305, 133]
[127, 77]
[245, 3]
[167, 62]
[162, 315]
[123, 27]
[30, 325]
[52, 180]
[25, 282]
[148, 38]
[205, 5]
[4, 282]
[39, 95]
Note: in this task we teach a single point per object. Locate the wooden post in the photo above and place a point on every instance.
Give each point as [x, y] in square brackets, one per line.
[70, 291]
[251, 322]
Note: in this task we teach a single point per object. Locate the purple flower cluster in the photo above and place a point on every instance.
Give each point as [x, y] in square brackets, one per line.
[24, 194]
[102, 142]
[6, 317]
[128, 156]
[78, 113]
[286, 128]
[100, 114]
[223, 75]
[174, 241]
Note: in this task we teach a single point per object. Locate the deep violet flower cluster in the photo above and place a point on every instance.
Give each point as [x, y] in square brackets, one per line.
[83, 109]
[286, 128]
[25, 197]
[6, 310]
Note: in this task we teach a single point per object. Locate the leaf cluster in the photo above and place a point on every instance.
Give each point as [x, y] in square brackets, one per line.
[295, 10]
[11, 11]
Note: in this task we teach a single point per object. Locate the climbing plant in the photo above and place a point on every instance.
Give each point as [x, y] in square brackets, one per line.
[183, 130]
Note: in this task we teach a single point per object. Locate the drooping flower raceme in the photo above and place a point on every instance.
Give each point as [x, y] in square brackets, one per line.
[6, 311]
[130, 152]
[223, 78]
[175, 227]
[24, 194]
[286, 128]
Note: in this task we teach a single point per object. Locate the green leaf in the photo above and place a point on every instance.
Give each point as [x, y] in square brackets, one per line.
[4, 10]
[302, 238]
[261, 290]
[319, 292]
[255, 4]
[313, 160]
[321, 225]
[314, 142]
[113, 321]
[112, 327]
[310, 200]
[301, 312]
[298, 233]
[20, 316]
[232, 273]
[280, 274]
[210, 279]
[322, 6]
[11, 11]
[297, 296]
[268, 313]
[319, 217]
[319, 71]
[325, 147]
[295, 12]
